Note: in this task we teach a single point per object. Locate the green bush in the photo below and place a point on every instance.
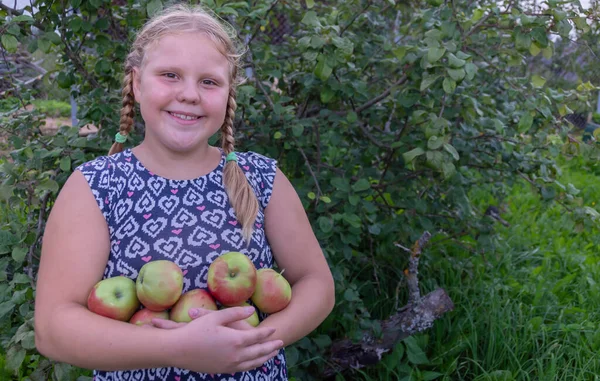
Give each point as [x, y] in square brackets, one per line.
[52, 108]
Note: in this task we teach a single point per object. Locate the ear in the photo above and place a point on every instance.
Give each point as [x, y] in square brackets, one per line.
[135, 83]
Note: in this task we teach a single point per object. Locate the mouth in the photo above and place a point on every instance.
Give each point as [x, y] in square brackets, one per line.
[184, 116]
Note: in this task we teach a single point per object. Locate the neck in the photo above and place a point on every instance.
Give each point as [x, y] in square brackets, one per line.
[177, 165]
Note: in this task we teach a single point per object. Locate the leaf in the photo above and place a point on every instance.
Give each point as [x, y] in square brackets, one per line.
[457, 74]
[310, 4]
[412, 154]
[23, 18]
[525, 122]
[454, 61]
[14, 358]
[297, 130]
[311, 19]
[18, 254]
[322, 341]
[10, 43]
[448, 169]
[452, 151]
[351, 295]
[428, 81]
[414, 353]
[6, 308]
[477, 14]
[449, 85]
[62, 371]
[538, 81]
[65, 164]
[323, 71]
[325, 224]
[153, 7]
[434, 54]
[434, 142]
[471, 70]
[340, 184]
[49, 185]
[534, 49]
[352, 117]
[361, 185]
[291, 356]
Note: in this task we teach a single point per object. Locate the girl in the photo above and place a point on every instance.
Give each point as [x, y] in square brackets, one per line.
[176, 197]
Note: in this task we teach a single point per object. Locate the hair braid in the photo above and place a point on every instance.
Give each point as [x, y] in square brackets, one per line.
[127, 111]
[241, 195]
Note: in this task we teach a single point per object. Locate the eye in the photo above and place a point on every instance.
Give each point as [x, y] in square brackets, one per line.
[209, 82]
[170, 75]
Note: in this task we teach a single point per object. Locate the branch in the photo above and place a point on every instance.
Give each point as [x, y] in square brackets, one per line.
[38, 235]
[382, 95]
[418, 315]
[355, 17]
[413, 269]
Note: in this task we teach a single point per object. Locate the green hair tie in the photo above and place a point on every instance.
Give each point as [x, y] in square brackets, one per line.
[120, 138]
[231, 157]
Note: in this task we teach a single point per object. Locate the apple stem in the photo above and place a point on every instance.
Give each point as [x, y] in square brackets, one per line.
[282, 271]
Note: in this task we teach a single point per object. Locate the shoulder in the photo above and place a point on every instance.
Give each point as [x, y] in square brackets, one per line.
[256, 160]
[260, 170]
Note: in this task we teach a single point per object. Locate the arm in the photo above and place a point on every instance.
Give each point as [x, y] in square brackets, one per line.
[296, 249]
[75, 250]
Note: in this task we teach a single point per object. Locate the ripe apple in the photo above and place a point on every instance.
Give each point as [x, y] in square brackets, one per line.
[273, 292]
[114, 298]
[159, 285]
[145, 316]
[197, 298]
[232, 278]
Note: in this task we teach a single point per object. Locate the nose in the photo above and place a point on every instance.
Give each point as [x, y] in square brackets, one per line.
[189, 92]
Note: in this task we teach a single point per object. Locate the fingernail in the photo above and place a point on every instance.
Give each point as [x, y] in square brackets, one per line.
[249, 310]
[193, 312]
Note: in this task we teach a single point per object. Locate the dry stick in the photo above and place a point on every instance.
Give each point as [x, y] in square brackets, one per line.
[38, 235]
[413, 269]
[416, 316]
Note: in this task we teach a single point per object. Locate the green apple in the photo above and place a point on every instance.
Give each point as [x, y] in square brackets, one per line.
[272, 293]
[197, 298]
[159, 285]
[232, 278]
[114, 298]
[145, 316]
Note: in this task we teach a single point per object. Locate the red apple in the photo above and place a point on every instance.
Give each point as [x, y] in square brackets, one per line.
[145, 316]
[114, 298]
[159, 285]
[231, 278]
[273, 292]
[196, 298]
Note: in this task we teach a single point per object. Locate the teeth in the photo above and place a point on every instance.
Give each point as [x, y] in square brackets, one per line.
[184, 117]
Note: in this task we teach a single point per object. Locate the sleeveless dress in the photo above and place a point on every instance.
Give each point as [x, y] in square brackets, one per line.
[189, 222]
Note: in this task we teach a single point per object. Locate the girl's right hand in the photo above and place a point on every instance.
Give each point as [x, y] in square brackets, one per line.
[209, 345]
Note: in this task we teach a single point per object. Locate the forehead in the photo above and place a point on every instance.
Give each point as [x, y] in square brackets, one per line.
[188, 51]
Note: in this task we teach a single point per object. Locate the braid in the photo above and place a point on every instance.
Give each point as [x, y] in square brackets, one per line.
[127, 111]
[241, 195]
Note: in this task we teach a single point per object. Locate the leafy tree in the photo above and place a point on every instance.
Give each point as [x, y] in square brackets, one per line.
[384, 114]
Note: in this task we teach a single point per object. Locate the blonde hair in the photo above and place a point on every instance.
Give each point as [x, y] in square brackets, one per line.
[180, 19]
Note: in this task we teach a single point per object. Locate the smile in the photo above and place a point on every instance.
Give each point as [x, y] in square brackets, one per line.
[184, 117]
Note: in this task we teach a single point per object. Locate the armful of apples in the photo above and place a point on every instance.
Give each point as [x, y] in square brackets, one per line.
[232, 281]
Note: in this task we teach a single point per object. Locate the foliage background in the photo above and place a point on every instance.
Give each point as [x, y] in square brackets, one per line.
[390, 118]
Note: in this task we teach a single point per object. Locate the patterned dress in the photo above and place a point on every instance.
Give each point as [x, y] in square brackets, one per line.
[189, 222]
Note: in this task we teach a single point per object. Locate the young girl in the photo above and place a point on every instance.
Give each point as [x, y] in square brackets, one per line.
[176, 197]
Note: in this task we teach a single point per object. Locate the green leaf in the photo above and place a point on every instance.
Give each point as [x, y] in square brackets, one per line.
[340, 184]
[434, 54]
[323, 71]
[351, 295]
[65, 164]
[325, 224]
[14, 358]
[581, 24]
[538, 81]
[297, 130]
[278, 135]
[18, 254]
[428, 81]
[454, 61]
[361, 185]
[412, 154]
[325, 199]
[414, 353]
[23, 18]
[10, 43]
[53, 38]
[452, 151]
[6, 308]
[153, 7]
[310, 4]
[456, 74]
[477, 14]
[311, 19]
[322, 341]
[471, 70]
[449, 85]
[311, 195]
[448, 169]
[534, 49]
[352, 117]
[434, 142]
[525, 122]
[49, 185]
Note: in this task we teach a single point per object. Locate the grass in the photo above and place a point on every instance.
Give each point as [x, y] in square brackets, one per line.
[528, 311]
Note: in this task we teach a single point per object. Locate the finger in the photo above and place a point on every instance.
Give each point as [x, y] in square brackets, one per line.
[166, 324]
[255, 363]
[195, 313]
[229, 315]
[257, 335]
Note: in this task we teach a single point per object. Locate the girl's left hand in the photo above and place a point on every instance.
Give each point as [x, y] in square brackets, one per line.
[195, 313]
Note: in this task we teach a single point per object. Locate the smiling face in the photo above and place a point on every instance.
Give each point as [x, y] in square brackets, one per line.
[182, 88]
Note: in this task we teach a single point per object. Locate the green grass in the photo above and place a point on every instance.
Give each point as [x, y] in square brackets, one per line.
[530, 310]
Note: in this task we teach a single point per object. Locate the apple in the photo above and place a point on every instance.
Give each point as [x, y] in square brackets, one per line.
[252, 319]
[114, 298]
[159, 285]
[232, 278]
[273, 292]
[145, 316]
[197, 298]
